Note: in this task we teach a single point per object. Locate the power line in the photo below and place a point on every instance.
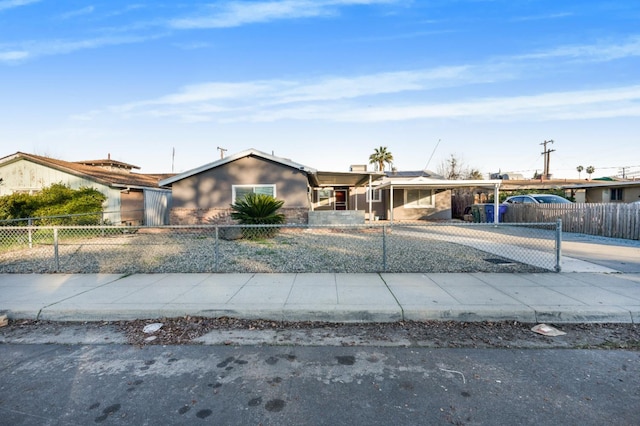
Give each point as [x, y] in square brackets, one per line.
[432, 152]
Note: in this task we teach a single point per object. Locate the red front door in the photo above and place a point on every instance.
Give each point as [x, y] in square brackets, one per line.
[341, 199]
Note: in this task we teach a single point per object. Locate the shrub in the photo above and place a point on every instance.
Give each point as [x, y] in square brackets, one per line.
[258, 209]
[55, 200]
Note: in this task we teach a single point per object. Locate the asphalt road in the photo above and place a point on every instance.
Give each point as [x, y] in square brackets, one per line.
[228, 385]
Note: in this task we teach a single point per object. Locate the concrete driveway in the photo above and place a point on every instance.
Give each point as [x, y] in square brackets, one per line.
[616, 254]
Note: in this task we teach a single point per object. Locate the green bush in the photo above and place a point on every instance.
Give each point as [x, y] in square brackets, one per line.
[55, 200]
[258, 209]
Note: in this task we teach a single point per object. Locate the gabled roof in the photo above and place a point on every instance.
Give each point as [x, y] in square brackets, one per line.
[108, 162]
[311, 172]
[95, 173]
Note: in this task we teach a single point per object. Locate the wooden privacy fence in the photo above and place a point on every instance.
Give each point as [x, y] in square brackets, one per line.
[615, 220]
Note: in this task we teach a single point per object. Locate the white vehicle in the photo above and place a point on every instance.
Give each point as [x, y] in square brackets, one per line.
[535, 199]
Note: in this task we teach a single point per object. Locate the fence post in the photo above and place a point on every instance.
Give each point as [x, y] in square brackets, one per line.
[215, 252]
[558, 244]
[30, 224]
[384, 248]
[55, 249]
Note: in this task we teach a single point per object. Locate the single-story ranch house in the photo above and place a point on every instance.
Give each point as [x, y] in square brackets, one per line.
[204, 195]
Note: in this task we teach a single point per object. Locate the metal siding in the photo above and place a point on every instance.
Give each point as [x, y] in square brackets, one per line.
[157, 204]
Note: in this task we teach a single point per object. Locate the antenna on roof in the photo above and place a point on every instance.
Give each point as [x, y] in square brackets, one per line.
[173, 158]
[433, 152]
[222, 151]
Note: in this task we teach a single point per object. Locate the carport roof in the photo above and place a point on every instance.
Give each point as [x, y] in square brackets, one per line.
[423, 182]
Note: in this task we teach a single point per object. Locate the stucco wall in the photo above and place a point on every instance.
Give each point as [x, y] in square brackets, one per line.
[378, 208]
[207, 196]
[441, 210]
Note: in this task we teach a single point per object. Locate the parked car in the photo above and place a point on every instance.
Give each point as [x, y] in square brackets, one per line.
[535, 199]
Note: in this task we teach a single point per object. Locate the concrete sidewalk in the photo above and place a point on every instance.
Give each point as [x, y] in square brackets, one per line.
[532, 298]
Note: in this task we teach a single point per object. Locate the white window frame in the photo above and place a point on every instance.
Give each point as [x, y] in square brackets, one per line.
[413, 205]
[377, 195]
[253, 187]
[328, 198]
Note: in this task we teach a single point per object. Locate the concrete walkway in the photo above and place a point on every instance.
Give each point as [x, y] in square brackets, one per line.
[533, 298]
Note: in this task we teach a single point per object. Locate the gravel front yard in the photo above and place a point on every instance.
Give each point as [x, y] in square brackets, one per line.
[292, 250]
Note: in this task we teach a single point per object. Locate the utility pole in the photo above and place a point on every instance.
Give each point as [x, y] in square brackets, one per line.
[222, 151]
[547, 157]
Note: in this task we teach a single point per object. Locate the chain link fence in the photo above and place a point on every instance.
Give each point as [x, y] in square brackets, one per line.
[433, 247]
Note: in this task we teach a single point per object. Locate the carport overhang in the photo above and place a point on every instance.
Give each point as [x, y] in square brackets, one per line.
[427, 183]
[350, 179]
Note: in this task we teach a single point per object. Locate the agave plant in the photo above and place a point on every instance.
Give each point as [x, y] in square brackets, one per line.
[258, 209]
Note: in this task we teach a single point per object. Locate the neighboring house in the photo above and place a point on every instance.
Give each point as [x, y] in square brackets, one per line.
[606, 191]
[205, 194]
[132, 198]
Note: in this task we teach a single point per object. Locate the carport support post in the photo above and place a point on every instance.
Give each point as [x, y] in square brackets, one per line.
[558, 244]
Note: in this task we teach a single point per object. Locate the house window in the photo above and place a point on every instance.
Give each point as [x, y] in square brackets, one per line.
[616, 194]
[374, 195]
[418, 198]
[239, 191]
[324, 197]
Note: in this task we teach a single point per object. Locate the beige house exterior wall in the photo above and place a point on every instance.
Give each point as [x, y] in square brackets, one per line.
[440, 211]
[206, 198]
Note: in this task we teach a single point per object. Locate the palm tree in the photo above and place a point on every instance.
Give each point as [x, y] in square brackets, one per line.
[256, 209]
[579, 169]
[381, 156]
[590, 171]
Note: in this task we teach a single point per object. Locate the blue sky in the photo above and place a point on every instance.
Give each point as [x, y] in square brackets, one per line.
[324, 82]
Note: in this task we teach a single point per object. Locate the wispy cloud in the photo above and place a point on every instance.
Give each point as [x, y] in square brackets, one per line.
[219, 15]
[390, 96]
[278, 92]
[34, 49]
[78, 12]
[10, 56]
[598, 52]
[546, 17]
[10, 4]
[236, 13]
[572, 105]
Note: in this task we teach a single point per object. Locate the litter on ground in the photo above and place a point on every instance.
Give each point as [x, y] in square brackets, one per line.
[547, 330]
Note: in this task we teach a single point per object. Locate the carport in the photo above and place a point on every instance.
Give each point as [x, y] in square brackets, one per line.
[428, 183]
